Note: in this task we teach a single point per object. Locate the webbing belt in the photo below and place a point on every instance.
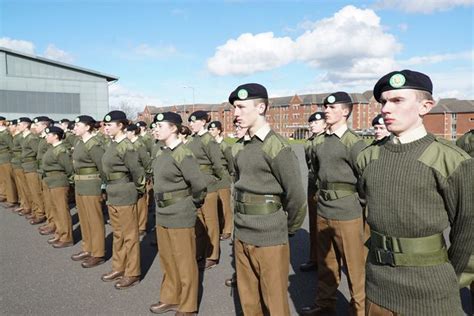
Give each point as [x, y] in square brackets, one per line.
[28, 159]
[246, 197]
[206, 168]
[54, 173]
[414, 252]
[335, 190]
[165, 199]
[87, 176]
[116, 176]
[87, 171]
[256, 209]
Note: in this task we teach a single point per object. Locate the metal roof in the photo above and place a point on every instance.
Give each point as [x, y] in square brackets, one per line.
[58, 64]
[452, 105]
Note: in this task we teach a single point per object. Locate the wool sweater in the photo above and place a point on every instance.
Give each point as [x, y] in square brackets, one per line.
[174, 170]
[227, 162]
[16, 151]
[122, 157]
[29, 150]
[415, 190]
[466, 142]
[208, 154]
[43, 146]
[269, 167]
[88, 155]
[334, 162]
[6, 145]
[57, 166]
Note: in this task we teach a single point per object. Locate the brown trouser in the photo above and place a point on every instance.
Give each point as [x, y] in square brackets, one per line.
[126, 248]
[91, 219]
[262, 272]
[312, 213]
[48, 204]
[7, 178]
[62, 217]
[34, 186]
[25, 197]
[341, 242]
[224, 196]
[207, 230]
[142, 209]
[372, 309]
[177, 250]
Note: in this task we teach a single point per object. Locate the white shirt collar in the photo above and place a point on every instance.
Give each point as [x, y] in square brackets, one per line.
[85, 140]
[119, 139]
[411, 136]
[174, 144]
[339, 132]
[263, 131]
[219, 139]
[202, 132]
[58, 143]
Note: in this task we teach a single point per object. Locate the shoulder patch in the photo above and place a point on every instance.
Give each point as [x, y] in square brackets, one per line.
[318, 140]
[350, 138]
[91, 143]
[124, 146]
[367, 155]
[274, 144]
[443, 156]
[59, 149]
[180, 153]
[206, 138]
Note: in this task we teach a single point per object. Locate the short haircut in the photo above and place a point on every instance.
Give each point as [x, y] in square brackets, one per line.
[261, 100]
[423, 95]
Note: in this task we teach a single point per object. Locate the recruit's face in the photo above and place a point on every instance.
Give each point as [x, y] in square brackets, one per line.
[164, 130]
[197, 125]
[317, 126]
[380, 131]
[51, 138]
[80, 129]
[64, 126]
[402, 111]
[130, 134]
[334, 113]
[39, 127]
[214, 131]
[112, 128]
[22, 126]
[247, 112]
[12, 128]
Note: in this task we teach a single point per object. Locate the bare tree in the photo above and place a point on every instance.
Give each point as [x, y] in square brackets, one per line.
[127, 108]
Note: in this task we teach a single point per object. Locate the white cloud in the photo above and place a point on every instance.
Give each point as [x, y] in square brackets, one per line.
[422, 6]
[403, 27]
[457, 83]
[119, 95]
[433, 59]
[19, 45]
[155, 52]
[337, 44]
[52, 52]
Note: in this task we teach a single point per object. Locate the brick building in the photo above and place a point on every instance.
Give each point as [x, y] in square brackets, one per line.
[288, 115]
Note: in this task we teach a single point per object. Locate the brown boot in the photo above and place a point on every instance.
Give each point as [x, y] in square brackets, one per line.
[62, 244]
[92, 262]
[37, 220]
[127, 282]
[160, 308]
[53, 239]
[47, 231]
[80, 256]
[112, 276]
[30, 216]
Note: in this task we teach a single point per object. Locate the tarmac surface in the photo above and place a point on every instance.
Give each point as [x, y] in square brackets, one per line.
[37, 279]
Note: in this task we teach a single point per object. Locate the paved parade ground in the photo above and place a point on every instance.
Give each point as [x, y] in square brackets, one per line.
[37, 279]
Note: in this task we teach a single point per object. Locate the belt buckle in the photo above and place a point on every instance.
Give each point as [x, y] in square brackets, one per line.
[384, 257]
[160, 203]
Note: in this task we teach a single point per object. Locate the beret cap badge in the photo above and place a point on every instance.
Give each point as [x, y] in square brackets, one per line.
[193, 118]
[36, 120]
[331, 99]
[242, 94]
[47, 130]
[77, 120]
[381, 122]
[107, 118]
[397, 80]
[318, 116]
[160, 117]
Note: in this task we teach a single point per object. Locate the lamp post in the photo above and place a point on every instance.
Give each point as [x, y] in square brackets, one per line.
[189, 87]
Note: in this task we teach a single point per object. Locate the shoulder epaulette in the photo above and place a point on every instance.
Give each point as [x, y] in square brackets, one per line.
[350, 138]
[92, 142]
[237, 147]
[180, 153]
[206, 138]
[273, 144]
[60, 149]
[124, 146]
[370, 153]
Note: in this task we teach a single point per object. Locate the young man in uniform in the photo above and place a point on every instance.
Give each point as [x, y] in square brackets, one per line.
[416, 186]
[380, 129]
[339, 219]
[269, 204]
[7, 178]
[317, 124]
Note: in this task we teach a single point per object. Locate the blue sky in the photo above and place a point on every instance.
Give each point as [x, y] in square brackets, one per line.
[158, 47]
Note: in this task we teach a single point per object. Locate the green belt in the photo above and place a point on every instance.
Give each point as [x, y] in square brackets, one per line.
[95, 176]
[256, 209]
[87, 170]
[335, 190]
[206, 168]
[409, 252]
[116, 176]
[28, 159]
[164, 199]
[250, 198]
[54, 173]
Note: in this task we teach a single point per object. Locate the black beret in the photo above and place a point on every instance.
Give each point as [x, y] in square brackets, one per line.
[215, 124]
[337, 97]
[14, 122]
[55, 130]
[24, 119]
[378, 120]
[85, 119]
[132, 128]
[41, 119]
[64, 120]
[115, 116]
[141, 124]
[248, 91]
[198, 115]
[316, 116]
[405, 79]
[171, 117]
[2, 118]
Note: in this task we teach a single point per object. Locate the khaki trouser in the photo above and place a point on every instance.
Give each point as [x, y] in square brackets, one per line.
[25, 197]
[207, 230]
[63, 221]
[262, 271]
[34, 186]
[312, 213]
[372, 309]
[126, 248]
[7, 178]
[177, 250]
[341, 242]
[224, 197]
[91, 220]
[48, 204]
[142, 209]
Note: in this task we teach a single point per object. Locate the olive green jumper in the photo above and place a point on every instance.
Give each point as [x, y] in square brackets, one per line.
[29, 150]
[228, 163]
[122, 157]
[415, 190]
[16, 151]
[57, 166]
[6, 145]
[269, 167]
[43, 146]
[88, 155]
[466, 142]
[175, 170]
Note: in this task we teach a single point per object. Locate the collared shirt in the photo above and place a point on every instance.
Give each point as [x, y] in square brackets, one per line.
[119, 139]
[339, 132]
[174, 144]
[89, 136]
[263, 132]
[134, 139]
[26, 132]
[219, 139]
[58, 143]
[202, 132]
[411, 136]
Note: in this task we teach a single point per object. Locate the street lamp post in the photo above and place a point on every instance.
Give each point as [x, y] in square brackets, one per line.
[189, 87]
